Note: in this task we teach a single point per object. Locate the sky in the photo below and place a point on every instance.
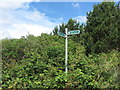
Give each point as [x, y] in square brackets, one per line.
[20, 18]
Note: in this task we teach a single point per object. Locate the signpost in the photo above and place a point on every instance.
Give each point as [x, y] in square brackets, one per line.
[119, 4]
[73, 32]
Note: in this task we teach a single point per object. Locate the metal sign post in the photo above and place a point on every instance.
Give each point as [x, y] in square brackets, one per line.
[66, 43]
[66, 53]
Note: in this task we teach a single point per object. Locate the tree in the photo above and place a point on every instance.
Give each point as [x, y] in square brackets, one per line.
[55, 30]
[102, 27]
[71, 25]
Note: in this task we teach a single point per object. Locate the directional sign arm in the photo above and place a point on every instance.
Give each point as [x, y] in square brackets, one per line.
[73, 32]
[61, 34]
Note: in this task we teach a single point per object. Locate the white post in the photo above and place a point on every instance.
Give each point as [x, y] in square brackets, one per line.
[66, 45]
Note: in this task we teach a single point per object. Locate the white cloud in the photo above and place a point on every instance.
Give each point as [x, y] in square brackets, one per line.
[75, 5]
[81, 19]
[17, 20]
[61, 18]
[19, 30]
[20, 0]
[12, 5]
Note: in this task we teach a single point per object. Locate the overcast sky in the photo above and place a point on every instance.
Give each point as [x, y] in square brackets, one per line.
[20, 17]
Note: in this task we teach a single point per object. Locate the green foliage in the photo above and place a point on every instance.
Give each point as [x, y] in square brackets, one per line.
[38, 62]
[71, 24]
[55, 30]
[102, 28]
[42, 65]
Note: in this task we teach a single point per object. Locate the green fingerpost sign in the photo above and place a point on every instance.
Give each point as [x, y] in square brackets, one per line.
[73, 32]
